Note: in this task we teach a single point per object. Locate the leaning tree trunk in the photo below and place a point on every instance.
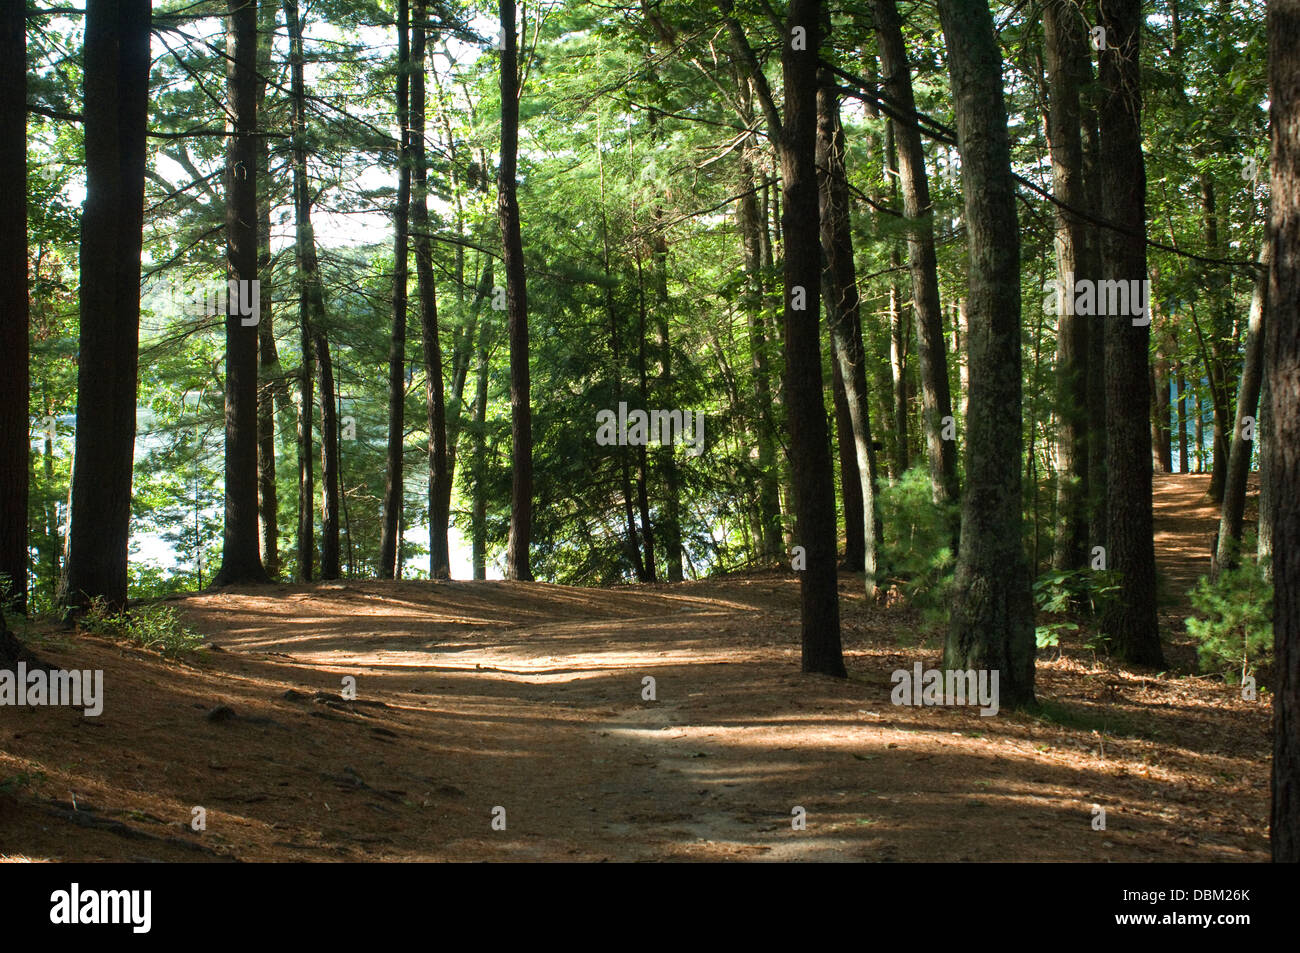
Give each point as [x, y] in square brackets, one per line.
[810, 460]
[844, 316]
[116, 106]
[1242, 447]
[390, 523]
[14, 442]
[1131, 622]
[1283, 350]
[993, 615]
[241, 558]
[439, 475]
[936, 401]
[521, 415]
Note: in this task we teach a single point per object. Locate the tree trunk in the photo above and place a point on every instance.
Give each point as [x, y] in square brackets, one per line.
[14, 401]
[1266, 507]
[269, 386]
[478, 515]
[1216, 363]
[993, 615]
[898, 382]
[753, 230]
[850, 482]
[1131, 622]
[1181, 381]
[311, 296]
[241, 558]
[396, 446]
[439, 475]
[1283, 350]
[1090, 269]
[936, 401]
[810, 459]
[1066, 58]
[116, 103]
[329, 460]
[843, 314]
[671, 521]
[521, 425]
[1228, 553]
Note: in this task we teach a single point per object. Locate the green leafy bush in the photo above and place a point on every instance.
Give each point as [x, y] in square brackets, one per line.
[915, 554]
[158, 628]
[1075, 593]
[1233, 625]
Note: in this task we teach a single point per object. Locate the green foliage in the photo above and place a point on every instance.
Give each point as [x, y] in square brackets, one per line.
[157, 628]
[1233, 625]
[916, 551]
[1090, 590]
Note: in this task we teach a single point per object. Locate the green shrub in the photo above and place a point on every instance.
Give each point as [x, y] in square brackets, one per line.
[157, 628]
[915, 553]
[1233, 625]
[1074, 594]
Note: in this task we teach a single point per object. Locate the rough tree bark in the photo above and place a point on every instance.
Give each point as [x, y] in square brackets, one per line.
[1066, 43]
[241, 558]
[810, 459]
[14, 401]
[116, 104]
[1283, 350]
[1131, 622]
[993, 615]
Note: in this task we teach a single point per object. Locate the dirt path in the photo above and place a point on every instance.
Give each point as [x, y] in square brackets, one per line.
[1186, 523]
[528, 697]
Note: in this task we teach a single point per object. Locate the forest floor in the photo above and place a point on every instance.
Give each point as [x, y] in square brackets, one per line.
[528, 697]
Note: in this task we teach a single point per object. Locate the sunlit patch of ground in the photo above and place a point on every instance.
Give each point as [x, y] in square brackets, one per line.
[529, 697]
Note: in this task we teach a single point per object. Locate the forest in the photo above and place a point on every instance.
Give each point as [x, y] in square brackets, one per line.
[874, 398]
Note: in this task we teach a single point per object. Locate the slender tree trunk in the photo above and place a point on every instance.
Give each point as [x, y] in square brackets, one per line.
[671, 522]
[1130, 550]
[843, 314]
[753, 229]
[1227, 553]
[1184, 465]
[478, 517]
[439, 475]
[396, 445]
[1066, 48]
[898, 382]
[269, 386]
[241, 559]
[850, 482]
[116, 104]
[1215, 358]
[936, 400]
[993, 616]
[1283, 350]
[14, 442]
[1267, 506]
[329, 459]
[810, 459]
[1199, 430]
[1090, 269]
[311, 298]
[643, 453]
[521, 426]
